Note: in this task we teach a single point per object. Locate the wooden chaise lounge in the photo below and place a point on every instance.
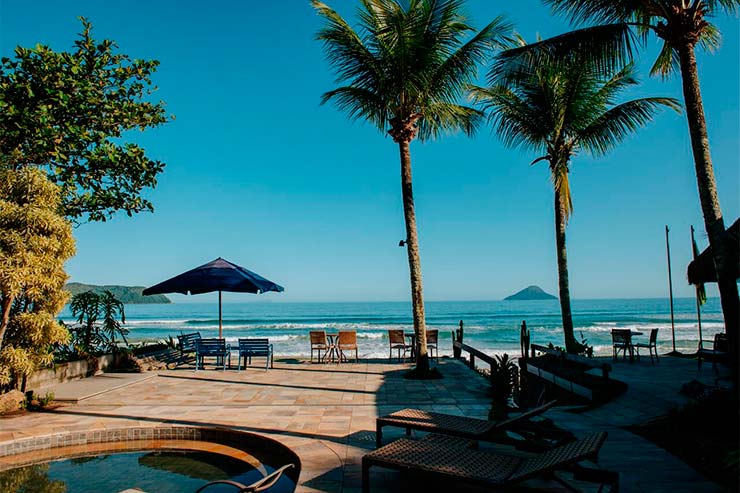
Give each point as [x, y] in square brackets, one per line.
[491, 470]
[448, 424]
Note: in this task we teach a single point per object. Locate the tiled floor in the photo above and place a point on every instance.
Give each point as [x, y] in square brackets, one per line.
[326, 413]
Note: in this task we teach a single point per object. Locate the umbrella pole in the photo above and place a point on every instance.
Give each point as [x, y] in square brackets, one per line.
[220, 329]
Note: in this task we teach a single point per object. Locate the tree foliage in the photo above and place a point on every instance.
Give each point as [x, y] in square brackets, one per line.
[35, 242]
[71, 112]
[407, 63]
[561, 105]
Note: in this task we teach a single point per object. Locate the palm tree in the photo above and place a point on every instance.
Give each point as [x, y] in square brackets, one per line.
[560, 106]
[682, 25]
[404, 70]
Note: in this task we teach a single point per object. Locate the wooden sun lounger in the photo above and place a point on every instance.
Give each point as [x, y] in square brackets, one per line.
[448, 424]
[487, 469]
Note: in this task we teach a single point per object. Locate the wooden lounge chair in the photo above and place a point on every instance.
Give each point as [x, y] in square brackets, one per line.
[249, 348]
[449, 424]
[490, 470]
[347, 341]
[319, 343]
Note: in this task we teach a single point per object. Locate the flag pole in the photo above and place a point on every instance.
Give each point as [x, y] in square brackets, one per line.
[670, 288]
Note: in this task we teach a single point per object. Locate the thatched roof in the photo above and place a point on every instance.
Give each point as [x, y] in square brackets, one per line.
[701, 270]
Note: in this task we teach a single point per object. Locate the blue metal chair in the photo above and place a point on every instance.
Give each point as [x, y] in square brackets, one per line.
[255, 347]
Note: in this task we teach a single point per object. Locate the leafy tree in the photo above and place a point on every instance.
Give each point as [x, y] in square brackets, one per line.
[682, 27]
[35, 241]
[560, 106]
[70, 113]
[403, 70]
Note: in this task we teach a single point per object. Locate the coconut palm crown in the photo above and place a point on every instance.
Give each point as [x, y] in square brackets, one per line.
[404, 69]
[560, 107]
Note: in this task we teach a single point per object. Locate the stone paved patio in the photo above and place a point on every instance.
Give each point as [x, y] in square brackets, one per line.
[326, 414]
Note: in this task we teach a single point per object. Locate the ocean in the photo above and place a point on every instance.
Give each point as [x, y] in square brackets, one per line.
[491, 326]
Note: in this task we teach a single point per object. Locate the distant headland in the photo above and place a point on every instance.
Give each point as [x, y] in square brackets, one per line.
[530, 293]
[127, 294]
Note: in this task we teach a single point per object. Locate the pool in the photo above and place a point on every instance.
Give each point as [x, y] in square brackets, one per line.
[161, 460]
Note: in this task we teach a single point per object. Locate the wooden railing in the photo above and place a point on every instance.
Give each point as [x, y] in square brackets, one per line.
[605, 367]
[474, 353]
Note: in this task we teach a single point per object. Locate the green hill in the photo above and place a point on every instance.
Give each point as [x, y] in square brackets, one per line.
[530, 293]
[127, 294]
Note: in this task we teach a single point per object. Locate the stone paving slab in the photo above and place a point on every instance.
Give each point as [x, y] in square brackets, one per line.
[85, 388]
[326, 414]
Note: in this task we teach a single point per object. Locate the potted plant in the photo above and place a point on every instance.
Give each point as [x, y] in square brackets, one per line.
[503, 380]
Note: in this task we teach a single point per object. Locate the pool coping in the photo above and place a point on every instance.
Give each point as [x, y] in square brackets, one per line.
[116, 439]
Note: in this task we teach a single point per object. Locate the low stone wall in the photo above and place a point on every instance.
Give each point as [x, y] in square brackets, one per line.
[64, 372]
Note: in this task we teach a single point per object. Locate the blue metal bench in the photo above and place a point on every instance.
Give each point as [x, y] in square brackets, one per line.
[214, 347]
[254, 347]
[187, 344]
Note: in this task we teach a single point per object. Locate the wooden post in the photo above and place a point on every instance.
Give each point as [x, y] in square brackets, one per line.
[457, 336]
[670, 286]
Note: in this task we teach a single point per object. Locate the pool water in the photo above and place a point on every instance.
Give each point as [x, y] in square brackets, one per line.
[160, 471]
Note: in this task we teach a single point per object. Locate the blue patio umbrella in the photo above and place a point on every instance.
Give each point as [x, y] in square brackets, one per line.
[218, 275]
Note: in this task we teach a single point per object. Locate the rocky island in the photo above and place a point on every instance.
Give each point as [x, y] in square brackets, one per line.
[530, 293]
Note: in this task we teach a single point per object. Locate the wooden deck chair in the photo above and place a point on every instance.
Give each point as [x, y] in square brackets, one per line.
[449, 424]
[492, 471]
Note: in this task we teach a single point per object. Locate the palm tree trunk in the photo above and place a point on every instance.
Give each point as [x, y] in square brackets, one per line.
[709, 199]
[570, 341]
[412, 248]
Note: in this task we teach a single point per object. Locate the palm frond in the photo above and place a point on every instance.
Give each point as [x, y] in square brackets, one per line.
[667, 62]
[711, 38]
[449, 118]
[614, 125]
[460, 67]
[345, 50]
[731, 7]
[358, 103]
[517, 121]
[606, 47]
[597, 11]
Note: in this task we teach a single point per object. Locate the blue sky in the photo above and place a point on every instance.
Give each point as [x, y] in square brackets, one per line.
[258, 173]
